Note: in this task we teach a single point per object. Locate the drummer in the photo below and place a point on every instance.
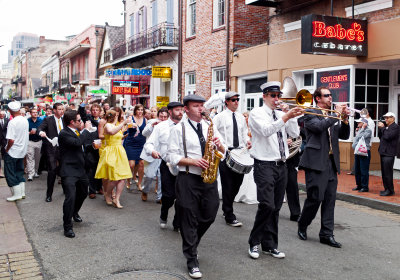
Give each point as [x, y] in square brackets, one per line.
[232, 126]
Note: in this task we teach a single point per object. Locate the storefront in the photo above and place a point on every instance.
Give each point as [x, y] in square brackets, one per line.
[371, 82]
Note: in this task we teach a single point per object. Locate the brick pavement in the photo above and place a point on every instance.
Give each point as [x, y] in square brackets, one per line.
[16, 257]
[347, 182]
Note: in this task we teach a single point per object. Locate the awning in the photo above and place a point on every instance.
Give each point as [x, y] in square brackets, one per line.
[75, 50]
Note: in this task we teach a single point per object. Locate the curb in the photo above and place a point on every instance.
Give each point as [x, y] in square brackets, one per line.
[365, 201]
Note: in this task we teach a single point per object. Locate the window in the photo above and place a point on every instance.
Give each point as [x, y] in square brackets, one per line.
[253, 85]
[309, 80]
[218, 80]
[86, 68]
[191, 18]
[107, 54]
[372, 92]
[132, 25]
[218, 13]
[190, 83]
[154, 13]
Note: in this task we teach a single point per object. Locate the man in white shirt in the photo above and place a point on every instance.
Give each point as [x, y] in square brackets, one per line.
[15, 151]
[233, 129]
[269, 128]
[197, 201]
[157, 146]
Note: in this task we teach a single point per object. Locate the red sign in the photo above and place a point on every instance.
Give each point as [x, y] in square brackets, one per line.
[338, 83]
[125, 87]
[321, 30]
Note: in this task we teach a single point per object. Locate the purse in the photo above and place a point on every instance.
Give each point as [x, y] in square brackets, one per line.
[361, 148]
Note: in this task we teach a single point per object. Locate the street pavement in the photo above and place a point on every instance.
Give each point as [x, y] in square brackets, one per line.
[128, 243]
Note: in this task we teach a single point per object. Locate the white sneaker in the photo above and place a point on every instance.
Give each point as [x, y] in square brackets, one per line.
[275, 253]
[22, 189]
[163, 224]
[36, 175]
[253, 252]
[195, 273]
[30, 178]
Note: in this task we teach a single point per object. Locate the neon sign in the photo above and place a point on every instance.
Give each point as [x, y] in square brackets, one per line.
[338, 83]
[332, 35]
[125, 87]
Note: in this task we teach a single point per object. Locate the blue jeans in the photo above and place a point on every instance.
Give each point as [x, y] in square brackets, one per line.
[13, 170]
[361, 170]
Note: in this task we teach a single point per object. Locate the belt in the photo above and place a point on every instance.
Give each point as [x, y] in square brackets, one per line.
[35, 140]
[274, 162]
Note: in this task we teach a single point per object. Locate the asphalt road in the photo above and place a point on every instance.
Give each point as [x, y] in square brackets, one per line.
[128, 243]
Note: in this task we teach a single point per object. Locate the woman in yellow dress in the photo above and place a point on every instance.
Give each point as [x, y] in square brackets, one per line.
[113, 164]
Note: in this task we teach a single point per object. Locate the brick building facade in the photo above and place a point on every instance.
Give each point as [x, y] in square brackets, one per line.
[204, 51]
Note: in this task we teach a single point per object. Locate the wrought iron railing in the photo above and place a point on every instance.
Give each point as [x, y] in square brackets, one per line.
[164, 34]
[42, 90]
[64, 81]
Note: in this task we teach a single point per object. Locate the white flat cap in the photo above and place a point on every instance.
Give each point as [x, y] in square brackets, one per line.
[14, 106]
[271, 87]
[230, 94]
[389, 114]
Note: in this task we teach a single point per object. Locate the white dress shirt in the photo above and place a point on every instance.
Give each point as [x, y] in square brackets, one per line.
[224, 124]
[175, 145]
[264, 130]
[148, 129]
[158, 140]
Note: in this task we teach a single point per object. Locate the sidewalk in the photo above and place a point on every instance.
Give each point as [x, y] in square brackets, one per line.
[372, 198]
[16, 257]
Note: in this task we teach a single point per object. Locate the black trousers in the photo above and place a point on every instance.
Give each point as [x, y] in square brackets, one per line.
[168, 193]
[13, 170]
[94, 184]
[271, 181]
[292, 187]
[198, 204]
[231, 182]
[52, 169]
[321, 190]
[387, 163]
[361, 170]
[76, 190]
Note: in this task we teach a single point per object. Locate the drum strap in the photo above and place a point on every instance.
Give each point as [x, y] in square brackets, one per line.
[184, 144]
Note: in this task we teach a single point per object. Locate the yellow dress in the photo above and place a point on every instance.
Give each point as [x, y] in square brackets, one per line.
[113, 163]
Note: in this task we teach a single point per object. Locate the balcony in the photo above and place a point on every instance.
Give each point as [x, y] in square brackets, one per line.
[64, 82]
[162, 37]
[55, 85]
[283, 6]
[42, 91]
[18, 79]
[80, 77]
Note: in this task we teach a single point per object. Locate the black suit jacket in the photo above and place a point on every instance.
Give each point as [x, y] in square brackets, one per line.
[316, 152]
[91, 154]
[389, 136]
[49, 126]
[3, 134]
[72, 159]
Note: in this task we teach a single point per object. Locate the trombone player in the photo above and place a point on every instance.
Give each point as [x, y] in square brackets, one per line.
[320, 160]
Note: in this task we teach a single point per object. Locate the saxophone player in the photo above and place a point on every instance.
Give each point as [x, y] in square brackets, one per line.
[269, 128]
[197, 201]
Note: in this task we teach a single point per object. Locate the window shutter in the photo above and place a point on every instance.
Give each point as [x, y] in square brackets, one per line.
[170, 11]
[144, 18]
[154, 13]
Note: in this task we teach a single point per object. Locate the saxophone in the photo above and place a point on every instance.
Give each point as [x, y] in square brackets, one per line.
[211, 155]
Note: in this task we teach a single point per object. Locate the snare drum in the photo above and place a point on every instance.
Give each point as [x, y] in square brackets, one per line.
[240, 161]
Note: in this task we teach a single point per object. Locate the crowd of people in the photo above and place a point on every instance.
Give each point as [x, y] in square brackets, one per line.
[176, 151]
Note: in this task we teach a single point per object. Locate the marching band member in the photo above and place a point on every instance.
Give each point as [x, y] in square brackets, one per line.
[320, 160]
[197, 201]
[269, 128]
[233, 129]
[157, 146]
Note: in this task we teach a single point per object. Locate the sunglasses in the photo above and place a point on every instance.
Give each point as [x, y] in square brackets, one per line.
[234, 99]
[273, 95]
[78, 120]
[327, 95]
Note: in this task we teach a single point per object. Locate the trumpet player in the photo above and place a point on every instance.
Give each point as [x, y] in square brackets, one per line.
[269, 128]
[197, 201]
[320, 160]
[233, 128]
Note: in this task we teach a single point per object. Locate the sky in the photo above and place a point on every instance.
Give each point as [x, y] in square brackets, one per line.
[54, 19]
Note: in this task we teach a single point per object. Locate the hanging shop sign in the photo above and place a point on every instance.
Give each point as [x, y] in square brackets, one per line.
[333, 35]
[125, 87]
[110, 73]
[97, 91]
[161, 72]
[162, 101]
[338, 83]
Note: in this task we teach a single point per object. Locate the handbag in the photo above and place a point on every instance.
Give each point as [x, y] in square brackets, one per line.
[361, 148]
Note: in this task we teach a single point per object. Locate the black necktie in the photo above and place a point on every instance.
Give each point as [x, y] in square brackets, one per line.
[199, 133]
[280, 140]
[235, 132]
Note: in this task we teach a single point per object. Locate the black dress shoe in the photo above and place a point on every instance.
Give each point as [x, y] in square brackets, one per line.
[356, 188]
[302, 234]
[77, 218]
[294, 218]
[69, 233]
[330, 241]
[48, 199]
[387, 193]
[364, 190]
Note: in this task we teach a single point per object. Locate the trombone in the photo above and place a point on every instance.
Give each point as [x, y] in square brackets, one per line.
[303, 98]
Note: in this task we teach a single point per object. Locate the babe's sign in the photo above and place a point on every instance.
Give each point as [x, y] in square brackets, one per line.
[332, 35]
